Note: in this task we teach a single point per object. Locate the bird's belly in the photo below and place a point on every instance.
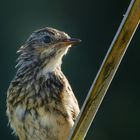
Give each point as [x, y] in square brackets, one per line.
[41, 124]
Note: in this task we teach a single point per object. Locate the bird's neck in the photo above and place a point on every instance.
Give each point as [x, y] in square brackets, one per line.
[35, 68]
[33, 65]
[51, 66]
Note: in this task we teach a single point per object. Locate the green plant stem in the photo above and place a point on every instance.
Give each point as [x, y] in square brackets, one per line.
[107, 71]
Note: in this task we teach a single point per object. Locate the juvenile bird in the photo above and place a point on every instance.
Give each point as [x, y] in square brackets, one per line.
[40, 102]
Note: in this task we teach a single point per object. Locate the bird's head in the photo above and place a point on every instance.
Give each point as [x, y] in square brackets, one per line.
[48, 46]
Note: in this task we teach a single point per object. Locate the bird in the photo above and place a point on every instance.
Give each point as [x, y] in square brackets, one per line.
[40, 102]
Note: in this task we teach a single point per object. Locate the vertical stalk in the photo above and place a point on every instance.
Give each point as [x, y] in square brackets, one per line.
[107, 71]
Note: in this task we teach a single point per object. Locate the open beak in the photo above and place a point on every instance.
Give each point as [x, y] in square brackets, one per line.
[71, 41]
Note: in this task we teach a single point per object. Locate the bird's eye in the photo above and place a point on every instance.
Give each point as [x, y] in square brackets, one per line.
[46, 39]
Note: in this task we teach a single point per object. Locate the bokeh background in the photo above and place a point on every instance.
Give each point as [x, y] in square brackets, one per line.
[95, 22]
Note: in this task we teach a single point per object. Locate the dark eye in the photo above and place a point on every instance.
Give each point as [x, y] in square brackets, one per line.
[46, 39]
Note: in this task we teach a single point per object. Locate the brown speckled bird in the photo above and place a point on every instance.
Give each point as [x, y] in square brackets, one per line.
[40, 102]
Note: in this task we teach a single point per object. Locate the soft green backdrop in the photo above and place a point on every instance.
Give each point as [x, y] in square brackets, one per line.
[95, 22]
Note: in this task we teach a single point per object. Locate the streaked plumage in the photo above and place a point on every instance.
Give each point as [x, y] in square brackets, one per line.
[40, 102]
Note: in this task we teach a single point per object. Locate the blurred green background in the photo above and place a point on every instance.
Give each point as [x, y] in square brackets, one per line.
[95, 22]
